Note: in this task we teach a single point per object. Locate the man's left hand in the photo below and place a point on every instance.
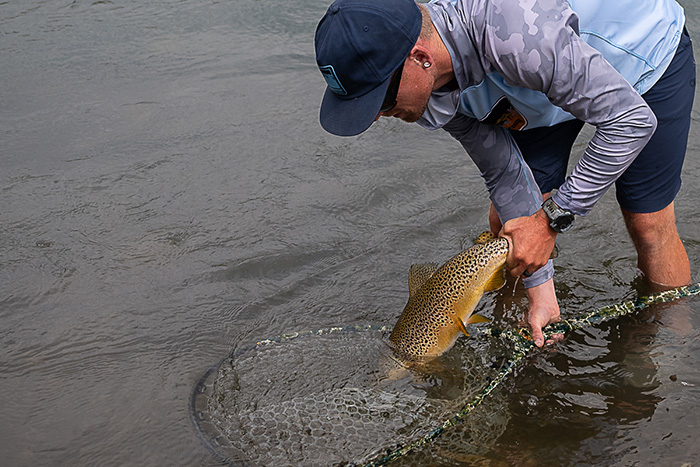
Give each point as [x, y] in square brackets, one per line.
[543, 309]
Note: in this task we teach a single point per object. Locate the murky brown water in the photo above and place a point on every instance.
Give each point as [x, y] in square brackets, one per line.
[167, 194]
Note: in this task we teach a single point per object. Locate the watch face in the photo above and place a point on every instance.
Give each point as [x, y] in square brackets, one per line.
[563, 222]
[559, 219]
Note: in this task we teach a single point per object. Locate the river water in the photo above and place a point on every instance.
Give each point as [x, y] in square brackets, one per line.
[167, 194]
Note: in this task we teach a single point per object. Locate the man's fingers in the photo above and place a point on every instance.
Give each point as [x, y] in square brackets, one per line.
[554, 338]
[537, 336]
[511, 262]
[519, 270]
[516, 266]
[538, 321]
[512, 265]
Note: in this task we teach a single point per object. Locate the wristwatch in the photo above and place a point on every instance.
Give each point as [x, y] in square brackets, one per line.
[559, 219]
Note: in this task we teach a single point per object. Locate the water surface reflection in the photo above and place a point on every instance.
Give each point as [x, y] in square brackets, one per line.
[167, 194]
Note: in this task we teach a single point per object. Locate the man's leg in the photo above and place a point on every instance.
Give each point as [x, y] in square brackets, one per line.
[648, 187]
[661, 255]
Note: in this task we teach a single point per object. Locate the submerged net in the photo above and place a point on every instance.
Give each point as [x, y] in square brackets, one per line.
[260, 406]
[338, 397]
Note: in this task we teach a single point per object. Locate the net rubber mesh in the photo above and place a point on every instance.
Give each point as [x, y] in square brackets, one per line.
[337, 396]
[340, 398]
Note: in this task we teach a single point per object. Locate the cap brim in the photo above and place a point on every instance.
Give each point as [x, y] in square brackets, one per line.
[350, 117]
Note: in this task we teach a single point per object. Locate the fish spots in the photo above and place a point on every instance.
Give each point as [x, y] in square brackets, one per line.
[427, 327]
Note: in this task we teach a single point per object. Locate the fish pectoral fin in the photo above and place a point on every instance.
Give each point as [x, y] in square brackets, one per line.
[460, 324]
[472, 320]
[477, 319]
[466, 304]
[496, 281]
[464, 307]
[419, 275]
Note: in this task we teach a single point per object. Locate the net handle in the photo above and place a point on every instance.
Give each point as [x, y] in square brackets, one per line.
[523, 345]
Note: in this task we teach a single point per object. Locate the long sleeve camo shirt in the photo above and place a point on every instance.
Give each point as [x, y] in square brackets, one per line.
[531, 63]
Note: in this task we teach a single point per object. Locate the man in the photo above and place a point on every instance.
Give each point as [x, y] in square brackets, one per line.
[513, 82]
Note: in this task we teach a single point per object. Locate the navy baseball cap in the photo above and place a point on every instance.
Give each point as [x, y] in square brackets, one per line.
[359, 44]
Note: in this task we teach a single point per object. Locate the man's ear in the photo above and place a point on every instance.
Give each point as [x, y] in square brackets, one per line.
[421, 54]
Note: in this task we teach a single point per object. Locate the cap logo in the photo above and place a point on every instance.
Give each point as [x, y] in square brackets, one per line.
[332, 80]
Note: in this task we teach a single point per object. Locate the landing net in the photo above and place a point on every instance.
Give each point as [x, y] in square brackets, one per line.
[336, 396]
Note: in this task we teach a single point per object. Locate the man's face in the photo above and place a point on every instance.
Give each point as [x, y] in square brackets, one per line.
[414, 93]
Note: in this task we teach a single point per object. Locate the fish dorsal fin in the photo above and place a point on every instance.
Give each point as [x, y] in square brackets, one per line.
[496, 281]
[484, 237]
[419, 275]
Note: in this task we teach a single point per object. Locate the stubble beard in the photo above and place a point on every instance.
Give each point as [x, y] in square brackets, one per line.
[412, 116]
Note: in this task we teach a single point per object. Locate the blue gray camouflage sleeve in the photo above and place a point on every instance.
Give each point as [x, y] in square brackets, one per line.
[553, 59]
[511, 185]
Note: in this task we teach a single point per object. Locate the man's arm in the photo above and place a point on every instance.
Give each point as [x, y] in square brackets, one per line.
[511, 185]
[514, 193]
[550, 57]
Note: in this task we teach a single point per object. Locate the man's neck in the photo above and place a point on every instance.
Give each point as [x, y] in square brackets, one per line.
[443, 61]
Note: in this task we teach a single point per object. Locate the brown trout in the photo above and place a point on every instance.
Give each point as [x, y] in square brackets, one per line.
[442, 299]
